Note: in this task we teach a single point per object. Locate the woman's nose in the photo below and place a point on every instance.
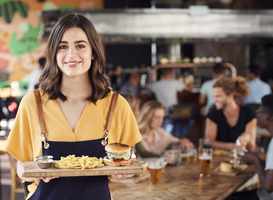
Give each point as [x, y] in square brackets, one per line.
[71, 52]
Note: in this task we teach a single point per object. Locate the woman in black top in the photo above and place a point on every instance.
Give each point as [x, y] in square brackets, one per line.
[228, 120]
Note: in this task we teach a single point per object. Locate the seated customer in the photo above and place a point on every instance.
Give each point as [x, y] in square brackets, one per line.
[264, 168]
[139, 149]
[228, 120]
[154, 138]
[131, 86]
[258, 88]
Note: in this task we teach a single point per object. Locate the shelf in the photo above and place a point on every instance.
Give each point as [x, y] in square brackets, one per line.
[183, 65]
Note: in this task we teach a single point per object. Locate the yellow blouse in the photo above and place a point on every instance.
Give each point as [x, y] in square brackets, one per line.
[25, 143]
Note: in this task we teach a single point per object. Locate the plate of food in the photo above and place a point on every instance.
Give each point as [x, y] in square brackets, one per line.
[116, 162]
[229, 169]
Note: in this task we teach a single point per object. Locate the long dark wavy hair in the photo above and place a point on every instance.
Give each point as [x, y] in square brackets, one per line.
[51, 77]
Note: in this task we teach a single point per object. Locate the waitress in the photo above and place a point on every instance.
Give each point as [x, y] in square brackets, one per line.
[75, 100]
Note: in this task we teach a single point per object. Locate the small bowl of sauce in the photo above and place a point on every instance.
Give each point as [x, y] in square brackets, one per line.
[45, 161]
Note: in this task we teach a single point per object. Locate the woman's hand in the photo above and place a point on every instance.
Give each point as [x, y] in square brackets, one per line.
[45, 179]
[186, 143]
[169, 157]
[118, 177]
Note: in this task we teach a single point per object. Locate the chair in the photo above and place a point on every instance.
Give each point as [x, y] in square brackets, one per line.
[182, 116]
[15, 180]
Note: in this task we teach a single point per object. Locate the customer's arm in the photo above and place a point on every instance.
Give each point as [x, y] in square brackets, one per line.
[211, 134]
[266, 176]
[143, 152]
[249, 136]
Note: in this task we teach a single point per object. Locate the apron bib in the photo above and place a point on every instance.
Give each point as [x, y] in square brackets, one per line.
[72, 188]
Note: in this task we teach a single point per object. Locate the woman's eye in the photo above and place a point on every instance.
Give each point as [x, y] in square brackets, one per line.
[62, 47]
[80, 46]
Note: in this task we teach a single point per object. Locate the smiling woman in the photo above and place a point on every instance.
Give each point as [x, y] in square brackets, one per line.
[74, 54]
[73, 101]
[154, 138]
[73, 37]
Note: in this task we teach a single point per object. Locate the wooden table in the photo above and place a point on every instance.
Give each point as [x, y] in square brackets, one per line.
[183, 182]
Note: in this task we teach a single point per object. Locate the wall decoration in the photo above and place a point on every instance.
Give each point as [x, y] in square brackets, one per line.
[27, 43]
[9, 7]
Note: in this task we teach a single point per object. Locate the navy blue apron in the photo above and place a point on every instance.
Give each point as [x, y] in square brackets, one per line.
[72, 188]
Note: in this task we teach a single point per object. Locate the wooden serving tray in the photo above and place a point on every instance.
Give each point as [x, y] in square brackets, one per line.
[32, 170]
[235, 172]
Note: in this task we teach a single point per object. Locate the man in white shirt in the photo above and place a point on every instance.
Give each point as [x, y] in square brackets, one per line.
[258, 88]
[166, 89]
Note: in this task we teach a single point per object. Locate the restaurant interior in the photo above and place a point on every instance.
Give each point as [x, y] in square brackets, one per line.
[145, 37]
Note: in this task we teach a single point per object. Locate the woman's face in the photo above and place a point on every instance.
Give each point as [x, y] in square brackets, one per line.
[157, 118]
[74, 53]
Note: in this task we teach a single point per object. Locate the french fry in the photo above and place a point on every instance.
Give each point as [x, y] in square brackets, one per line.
[84, 162]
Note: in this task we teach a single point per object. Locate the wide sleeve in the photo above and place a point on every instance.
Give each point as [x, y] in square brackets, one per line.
[124, 128]
[213, 114]
[19, 142]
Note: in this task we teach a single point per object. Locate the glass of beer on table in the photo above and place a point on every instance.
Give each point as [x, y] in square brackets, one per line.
[155, 168]
[205, 158]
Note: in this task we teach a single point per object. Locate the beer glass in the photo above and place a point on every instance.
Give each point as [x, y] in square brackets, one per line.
[154, 167]
[176, 153]
[191, 155]
[205, 160]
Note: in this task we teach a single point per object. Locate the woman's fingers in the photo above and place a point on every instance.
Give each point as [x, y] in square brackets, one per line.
[45, 179]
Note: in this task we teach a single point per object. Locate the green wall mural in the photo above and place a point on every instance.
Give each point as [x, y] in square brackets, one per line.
[27, 43]
[9, 7]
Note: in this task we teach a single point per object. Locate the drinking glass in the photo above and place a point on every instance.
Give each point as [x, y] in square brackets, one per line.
[205, 157]
[176, 153]
[191, 155]
[240, 150]
[155, 167]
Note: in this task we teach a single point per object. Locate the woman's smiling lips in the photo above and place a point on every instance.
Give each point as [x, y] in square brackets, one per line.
[72, 63]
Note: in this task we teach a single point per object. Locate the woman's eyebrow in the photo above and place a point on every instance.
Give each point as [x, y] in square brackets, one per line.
[80, 41]
[76, 42]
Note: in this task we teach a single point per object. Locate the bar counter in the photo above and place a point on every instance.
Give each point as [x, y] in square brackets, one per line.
[183, 182]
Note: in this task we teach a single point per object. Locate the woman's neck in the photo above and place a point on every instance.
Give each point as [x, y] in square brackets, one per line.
[76, 87]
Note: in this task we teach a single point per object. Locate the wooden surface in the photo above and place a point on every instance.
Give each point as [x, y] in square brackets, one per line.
[31, 169]
[183, 182]
[235, 172]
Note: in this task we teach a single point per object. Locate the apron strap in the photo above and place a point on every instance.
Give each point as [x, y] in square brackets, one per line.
[110, 117]
[40, 116]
